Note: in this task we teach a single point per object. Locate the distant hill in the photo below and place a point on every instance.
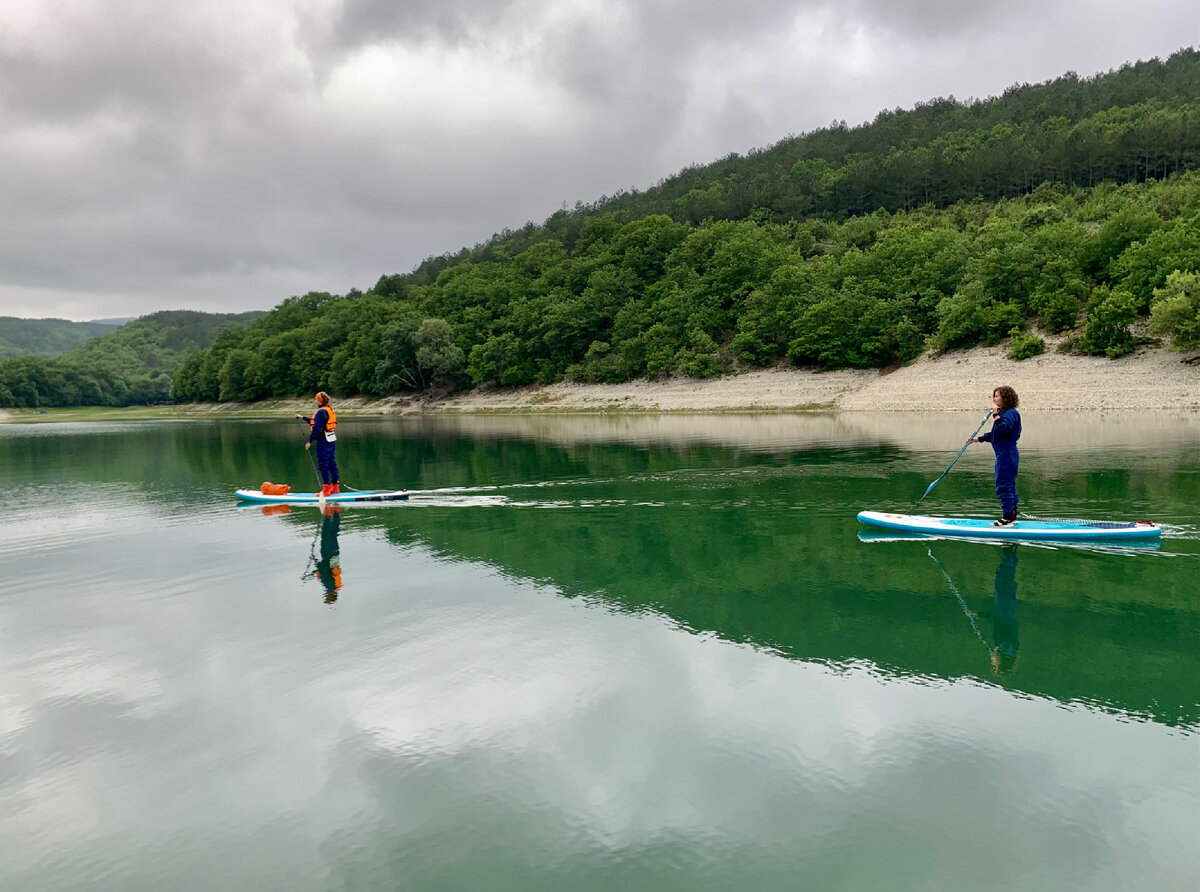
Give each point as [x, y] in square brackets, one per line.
[47, 337]
[130, 365]
[153, 344]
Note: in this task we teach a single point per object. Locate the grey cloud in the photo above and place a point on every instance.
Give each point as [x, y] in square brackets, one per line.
[924, 21]
[118, 64]
[360, 23]
[669, 28]
[161, 162]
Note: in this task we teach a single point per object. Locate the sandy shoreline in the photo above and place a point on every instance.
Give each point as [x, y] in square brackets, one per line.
[1152, 379]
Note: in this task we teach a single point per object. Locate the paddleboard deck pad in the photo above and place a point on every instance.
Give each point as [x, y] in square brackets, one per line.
[314, 498]
[983, 528]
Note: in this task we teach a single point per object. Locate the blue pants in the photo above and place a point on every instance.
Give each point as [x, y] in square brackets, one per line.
[326, 463]
[1006, 482]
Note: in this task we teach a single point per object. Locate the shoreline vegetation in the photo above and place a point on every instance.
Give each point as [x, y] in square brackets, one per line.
[1150, 379]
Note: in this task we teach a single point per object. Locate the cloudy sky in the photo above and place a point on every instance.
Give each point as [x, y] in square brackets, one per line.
[222, 156]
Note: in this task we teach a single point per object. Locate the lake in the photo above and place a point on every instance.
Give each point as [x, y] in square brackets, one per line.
[596, 653]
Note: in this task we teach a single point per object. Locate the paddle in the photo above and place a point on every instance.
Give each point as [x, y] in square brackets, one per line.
[320, 483]
[957, 457]
[312, 554]
[961, 601]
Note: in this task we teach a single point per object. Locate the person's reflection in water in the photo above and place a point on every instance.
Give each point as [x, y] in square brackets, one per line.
[329, 568]
[1005, 633]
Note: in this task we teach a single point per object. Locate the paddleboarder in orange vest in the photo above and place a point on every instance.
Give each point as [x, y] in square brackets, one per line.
[323, 425]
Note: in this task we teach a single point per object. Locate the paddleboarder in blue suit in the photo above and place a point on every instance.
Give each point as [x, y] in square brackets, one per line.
[324, 433]
[1006, 430]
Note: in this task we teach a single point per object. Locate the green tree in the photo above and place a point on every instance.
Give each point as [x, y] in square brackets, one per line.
[234, 382]
[500, 359]
[848, 330]
[1145, 265]
[962, 317]
[1059, 294]
[438, 357]
[600, 365]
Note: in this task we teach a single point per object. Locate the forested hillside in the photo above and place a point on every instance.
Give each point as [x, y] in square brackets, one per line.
[131, 365]
[1137, 123]
[45, 337]
[1071, 206]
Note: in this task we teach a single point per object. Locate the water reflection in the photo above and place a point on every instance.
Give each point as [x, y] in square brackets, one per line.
[743, 528]
[324, 551]
[1006, 641]
[325, 560]
[1006, 636]
[532, 710]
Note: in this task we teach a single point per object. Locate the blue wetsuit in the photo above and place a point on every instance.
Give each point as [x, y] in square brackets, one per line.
[1003, 436]
[325, 449]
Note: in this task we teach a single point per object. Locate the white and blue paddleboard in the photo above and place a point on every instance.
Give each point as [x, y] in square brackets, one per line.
[315, 498]
[984, 528]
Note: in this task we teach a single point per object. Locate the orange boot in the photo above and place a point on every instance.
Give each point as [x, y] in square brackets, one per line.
[335, 488]
[325, 489]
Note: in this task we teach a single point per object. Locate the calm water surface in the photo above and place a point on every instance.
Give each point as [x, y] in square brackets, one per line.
[595, 653]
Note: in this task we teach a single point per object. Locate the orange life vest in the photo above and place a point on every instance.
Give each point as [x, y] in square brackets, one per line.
[330, 422]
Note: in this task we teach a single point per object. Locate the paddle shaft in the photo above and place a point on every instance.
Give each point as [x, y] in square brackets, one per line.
[961, 601]
[320, 483]
[957, 457]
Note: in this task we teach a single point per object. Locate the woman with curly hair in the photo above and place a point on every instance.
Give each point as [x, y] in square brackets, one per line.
[1006, 430]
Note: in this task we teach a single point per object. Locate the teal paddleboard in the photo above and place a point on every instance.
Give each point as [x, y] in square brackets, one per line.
[315, 498]
[984, 528]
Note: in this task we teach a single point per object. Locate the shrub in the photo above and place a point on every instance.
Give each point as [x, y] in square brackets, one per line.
[702, 358]
[1175, 310]
[1023, 346]
[600, 366]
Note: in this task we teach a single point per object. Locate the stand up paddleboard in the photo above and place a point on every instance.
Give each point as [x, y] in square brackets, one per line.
[314, 498]
[981, 528]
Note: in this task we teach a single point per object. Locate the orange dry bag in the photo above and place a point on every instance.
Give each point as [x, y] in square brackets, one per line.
[274, 489]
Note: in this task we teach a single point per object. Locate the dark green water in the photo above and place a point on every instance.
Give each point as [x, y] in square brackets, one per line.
[595, 653]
